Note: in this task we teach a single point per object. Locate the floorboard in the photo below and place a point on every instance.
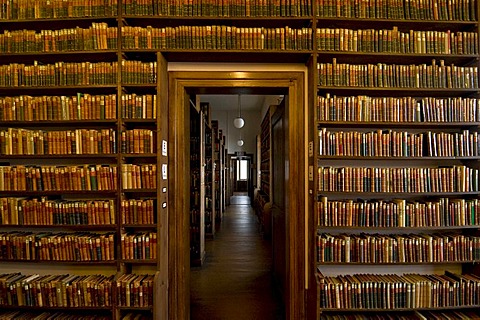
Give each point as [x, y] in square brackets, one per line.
[235, 281]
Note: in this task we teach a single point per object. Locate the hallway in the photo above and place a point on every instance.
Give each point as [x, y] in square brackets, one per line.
[235, 283]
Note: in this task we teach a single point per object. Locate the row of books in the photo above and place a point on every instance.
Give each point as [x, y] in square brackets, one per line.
[383, 75]
[17, 315]
[142, 176]
[414, 315]
[397, 109]
[393, 291]
[450, 10]
[58, 178]
[138, 141]
[83, 106]
[45, 9]
[388, 143]
[46, 212]
[398, 213]
[135, 290]
[139, 246]
[19, 141]
[138, 211]
[398, 180]
[63, 290]
[46, 246]
[97, 37]
[397, 248]
[384, 40]
[217, 37]
[138, 72]
[58, 74]
[139, 106]
[225, 8]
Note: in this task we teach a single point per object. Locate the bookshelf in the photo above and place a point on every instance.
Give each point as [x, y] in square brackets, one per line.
[84, 164]
[394, 159]
[197, 200]
[209, 206]
[217, 167]
[264, 194]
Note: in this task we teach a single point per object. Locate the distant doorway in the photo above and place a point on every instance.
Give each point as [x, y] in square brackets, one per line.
[242, 174]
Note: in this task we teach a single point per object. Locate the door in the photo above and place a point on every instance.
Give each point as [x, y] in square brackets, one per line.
[278, 206]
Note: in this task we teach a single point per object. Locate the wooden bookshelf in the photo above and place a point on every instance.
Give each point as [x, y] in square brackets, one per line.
[106, 105]
[209, 205]
[343, 216]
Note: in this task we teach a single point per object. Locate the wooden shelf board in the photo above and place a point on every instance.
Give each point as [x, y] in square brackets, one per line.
[268, 56]
[319, 264]
[399, 124]
[362, 228]
[404, 158]
[393, 57]
[59, 193]
[82, 227]
[395, 92]
[397, 194]
[59, 123]
[397, 309]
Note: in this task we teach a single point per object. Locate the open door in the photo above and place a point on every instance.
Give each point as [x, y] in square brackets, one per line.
[279, 214]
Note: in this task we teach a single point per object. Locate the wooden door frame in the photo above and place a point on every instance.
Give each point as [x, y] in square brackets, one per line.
[181, 82]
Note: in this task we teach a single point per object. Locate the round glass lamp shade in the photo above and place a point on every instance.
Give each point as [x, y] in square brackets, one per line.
[240, 142]
[238, 122]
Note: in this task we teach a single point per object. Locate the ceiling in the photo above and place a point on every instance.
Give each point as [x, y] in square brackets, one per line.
[229, 102]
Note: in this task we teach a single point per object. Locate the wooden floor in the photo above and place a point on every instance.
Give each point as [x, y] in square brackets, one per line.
[236, 281]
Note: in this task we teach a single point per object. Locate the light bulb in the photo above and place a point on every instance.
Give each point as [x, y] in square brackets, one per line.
[240, 142]
[238, 122]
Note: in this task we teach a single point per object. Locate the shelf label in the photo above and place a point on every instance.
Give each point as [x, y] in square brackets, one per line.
[164, 171]
[164, 148]
[310, 149]
[310, 173]
[164, 190]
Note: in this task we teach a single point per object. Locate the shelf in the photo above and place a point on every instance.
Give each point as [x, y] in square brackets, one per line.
[268, 56]
[149, 308]
[399, 309]
[393, 57]
[398, 92]
[100, 193]
[139, 190]
[81, 227]
[139, 155]
[338, 22]
[49, 21]
[399, 124]
[397, 194]
[364, 228]
[240, 21]
[98, 157]
[65, 309]
[60, 90]
[394, 263]
[93, 262]
[393, 158]
[139, 226]
[66, 56]
[61, 123]
[140, 121]
[139, 261]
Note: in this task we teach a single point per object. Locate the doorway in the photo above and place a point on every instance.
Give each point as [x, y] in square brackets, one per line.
[181, 85]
